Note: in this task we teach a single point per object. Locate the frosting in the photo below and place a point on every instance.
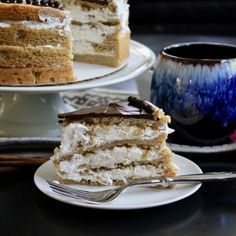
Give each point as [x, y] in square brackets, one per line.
[33, 24]
[76, 134]
[4, 24]
[103, 14]
[89, 33]
[49, 46]
[87, 48]
[106, 177]
[54, 22]
[86, 35]
[111, 158]
[47, 22]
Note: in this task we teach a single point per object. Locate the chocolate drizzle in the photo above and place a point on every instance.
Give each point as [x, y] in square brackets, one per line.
[142, 104]
[42, 3]
[134, 108]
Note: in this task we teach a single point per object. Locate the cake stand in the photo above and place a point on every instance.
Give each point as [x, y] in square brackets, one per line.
[31, 111]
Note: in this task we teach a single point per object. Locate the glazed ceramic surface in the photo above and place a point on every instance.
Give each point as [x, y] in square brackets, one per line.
[195, 83]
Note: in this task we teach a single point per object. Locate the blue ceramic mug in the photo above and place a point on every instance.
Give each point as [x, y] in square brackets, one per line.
[195, 83]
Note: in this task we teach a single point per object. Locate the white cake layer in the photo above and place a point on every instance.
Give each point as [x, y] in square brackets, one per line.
[111, 158]
[106, 177]
[102, 14]
[84, 36]
[77, 135]
[90, 33]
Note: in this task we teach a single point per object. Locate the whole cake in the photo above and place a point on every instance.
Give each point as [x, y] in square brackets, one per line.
[114, 144]
[35, 43]
[100, 31]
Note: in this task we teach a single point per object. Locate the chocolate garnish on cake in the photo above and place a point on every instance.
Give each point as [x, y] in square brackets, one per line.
[43, 3]
[142, 104]
[134, 108]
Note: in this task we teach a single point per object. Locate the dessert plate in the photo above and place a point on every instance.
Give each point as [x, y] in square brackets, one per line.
[206, 150]
[134, 198]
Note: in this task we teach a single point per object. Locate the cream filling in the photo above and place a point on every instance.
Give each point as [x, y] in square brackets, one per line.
[76, 134]
[47, 22]
[87, 48]
[5, 47]
[90, 33]
[34, 25]
[106, 177]
[4, 24]
[49, 46]
[109, 158]
[103, 14]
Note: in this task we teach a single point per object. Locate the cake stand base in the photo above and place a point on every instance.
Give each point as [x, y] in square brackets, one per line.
[31, 115]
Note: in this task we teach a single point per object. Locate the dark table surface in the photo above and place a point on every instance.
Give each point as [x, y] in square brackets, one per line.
[24, 210]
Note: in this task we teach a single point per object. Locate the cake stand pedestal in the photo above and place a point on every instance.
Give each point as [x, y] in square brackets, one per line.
[31, 114]
[31, 111]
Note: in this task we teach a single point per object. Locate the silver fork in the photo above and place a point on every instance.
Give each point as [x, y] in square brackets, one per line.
[105, 196]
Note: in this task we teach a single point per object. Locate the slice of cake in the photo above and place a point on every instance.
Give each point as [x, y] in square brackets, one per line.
[100, 31]
[114, 144]
[35, 43]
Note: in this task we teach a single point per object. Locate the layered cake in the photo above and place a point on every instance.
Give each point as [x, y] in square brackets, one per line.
[100, 31]
[35, 43]
[113, 144]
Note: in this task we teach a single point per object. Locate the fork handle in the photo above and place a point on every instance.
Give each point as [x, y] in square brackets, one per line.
[205, 177]
[191, 178]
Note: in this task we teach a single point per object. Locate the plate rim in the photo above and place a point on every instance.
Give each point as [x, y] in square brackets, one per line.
[183, 148]
[194, 188]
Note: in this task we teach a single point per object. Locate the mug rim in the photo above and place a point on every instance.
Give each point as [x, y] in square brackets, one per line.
[188, 44]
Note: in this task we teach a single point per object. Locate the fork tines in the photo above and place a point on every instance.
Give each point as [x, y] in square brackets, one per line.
[68, 191]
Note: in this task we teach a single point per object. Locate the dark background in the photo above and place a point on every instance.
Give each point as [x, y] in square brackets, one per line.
[206, 17]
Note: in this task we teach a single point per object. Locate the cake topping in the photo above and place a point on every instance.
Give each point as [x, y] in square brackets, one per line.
[135, 108]
[44, 3]
[142, 104]
[123, 109]
[156, 112]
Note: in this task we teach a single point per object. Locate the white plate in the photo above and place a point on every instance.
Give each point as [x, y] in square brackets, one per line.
[91, 76]
[134, 198]
[206, 150]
